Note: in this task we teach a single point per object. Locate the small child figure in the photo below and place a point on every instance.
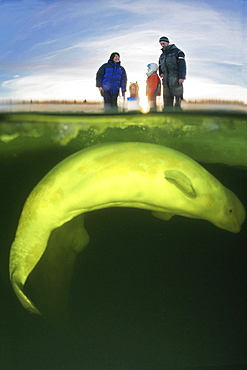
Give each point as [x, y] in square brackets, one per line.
[153, 85]
[133, 99]
[134, 90]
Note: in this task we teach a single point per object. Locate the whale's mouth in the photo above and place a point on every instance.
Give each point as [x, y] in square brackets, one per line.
[232, 226]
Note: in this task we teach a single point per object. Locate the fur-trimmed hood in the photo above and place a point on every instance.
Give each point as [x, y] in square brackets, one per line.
[153, 68]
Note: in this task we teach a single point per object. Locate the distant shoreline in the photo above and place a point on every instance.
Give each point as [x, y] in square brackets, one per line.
[94, 102]
[85, 106]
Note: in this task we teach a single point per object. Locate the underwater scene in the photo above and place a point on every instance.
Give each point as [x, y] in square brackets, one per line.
[107, 270]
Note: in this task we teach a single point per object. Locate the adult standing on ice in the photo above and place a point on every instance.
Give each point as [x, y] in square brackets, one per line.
[172, 70]
[110, 78]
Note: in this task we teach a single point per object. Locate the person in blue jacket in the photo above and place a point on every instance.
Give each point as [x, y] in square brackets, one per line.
[110, 77]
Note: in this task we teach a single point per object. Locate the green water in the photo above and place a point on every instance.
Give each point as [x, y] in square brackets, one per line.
[204, 136]
[146, 294]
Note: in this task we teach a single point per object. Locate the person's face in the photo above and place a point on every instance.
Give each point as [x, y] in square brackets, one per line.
[116, 58]
[164, 44]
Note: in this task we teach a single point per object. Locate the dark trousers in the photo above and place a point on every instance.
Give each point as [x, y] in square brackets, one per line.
[170, 93]
[110, 100]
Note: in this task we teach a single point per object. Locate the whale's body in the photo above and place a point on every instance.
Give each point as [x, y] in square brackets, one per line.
[139, 175]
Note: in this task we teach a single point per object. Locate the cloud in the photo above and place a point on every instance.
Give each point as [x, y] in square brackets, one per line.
[60, 85]
[204, 88]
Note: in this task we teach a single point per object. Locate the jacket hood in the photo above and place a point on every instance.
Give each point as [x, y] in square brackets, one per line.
[113, 63]
[168, 48]
[153, 68]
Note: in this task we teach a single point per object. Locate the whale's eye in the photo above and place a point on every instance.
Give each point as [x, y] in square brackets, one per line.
[230, 210]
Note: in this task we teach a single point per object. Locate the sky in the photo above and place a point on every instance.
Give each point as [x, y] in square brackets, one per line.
[52, 49]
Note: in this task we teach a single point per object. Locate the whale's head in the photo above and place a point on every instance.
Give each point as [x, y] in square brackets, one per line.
[206, 198]
[230, 213]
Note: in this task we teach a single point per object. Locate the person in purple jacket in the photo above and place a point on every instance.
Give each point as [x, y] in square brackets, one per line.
[110, 78]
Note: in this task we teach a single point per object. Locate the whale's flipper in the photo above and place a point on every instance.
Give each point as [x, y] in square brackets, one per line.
[181, 181]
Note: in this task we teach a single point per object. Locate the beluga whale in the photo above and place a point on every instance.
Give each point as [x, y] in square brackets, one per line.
[51, 230]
